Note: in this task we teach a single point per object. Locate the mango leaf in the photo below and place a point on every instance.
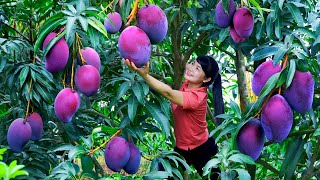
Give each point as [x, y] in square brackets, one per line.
[296, 14]
[123, 89]
[63, 147]
[291, 72]
[293, 154]
[263, 53]
[23, 75]
[279, 54]
[241, 158]
[3, 63]
[166, 165]
[159, 116]
[280, 3]
[52, 24]
[52, 42]
[3, 170]
[76, 151]
[243, 174]
[105, 129]
[70, 29]
[272, 81]
[223, 34]
[256, 4]
[156, 175]
[138, 92]
[98, 26]
[132, 107]
[278, 27]
[234, 106]
[269, 25]
[316, 132]
[229, 129]
[83, 22]
[213, 163]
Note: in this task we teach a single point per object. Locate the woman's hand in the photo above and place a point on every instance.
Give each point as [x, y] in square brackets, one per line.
[141, 71]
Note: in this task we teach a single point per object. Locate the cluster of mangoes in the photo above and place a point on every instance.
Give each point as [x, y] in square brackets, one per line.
[121, 154]
[135, 41]
[276, 118]
[20, 132]
[87, 76]
[240, 20]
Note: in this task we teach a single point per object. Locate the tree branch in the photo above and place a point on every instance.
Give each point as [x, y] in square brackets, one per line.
[268, 166]
[194, 46]
[98, 167]
[225, 51]
[24, 37]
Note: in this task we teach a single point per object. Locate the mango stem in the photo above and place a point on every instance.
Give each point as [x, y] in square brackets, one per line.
[104, 144]
[133, 13]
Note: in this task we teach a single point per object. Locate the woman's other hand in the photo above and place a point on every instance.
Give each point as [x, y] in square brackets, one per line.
[143, 71]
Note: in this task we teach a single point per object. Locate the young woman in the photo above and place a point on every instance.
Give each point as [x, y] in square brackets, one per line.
[189, 106]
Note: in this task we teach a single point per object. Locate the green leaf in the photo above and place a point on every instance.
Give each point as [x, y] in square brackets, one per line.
[84, 22]
[3, 63]
[4, 170]
[272, 81]
[280, 3]
[192, 12]
[159, 116]
[166, 166]
[223, 34]
[54, 23]
[229, 129]
[243, 174]
[259, 9]
[123, 89]
[70, 28]
[296, 14]
[156, 175]
[132, 107]
[278, 27]
[317, 41]
[52, 42]
[316, 132]
[76, 151]
[241, 158]
[98, 26]
[291, 72]
[279, 54]
[64, 147]
[138, 92]
[269, 25]
[234, 106]
[106, 129]
[23, 75]
[43, 93]
[293, 154]
[213, 163]
[263, 53]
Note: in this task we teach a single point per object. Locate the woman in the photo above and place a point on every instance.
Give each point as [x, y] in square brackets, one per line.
[189, 106]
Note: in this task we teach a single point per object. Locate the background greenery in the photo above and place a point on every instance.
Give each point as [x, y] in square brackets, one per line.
[124, 101]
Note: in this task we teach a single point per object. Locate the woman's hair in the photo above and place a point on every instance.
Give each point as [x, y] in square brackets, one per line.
[211, 69]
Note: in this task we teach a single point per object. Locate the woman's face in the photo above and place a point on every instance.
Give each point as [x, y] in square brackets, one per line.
[194, 73]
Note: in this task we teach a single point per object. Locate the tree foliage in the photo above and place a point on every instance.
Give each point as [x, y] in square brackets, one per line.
[283, 29]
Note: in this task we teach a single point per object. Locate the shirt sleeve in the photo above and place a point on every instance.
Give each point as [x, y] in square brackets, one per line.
[192, 100]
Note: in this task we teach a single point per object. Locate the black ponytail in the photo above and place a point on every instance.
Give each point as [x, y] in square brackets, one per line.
[211, 69]
[217, 98]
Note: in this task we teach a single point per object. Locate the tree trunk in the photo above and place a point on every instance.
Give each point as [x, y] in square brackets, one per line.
[176, 40]
[241, 75]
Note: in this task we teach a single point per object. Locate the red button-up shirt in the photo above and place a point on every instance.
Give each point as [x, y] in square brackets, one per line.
[190, 125]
